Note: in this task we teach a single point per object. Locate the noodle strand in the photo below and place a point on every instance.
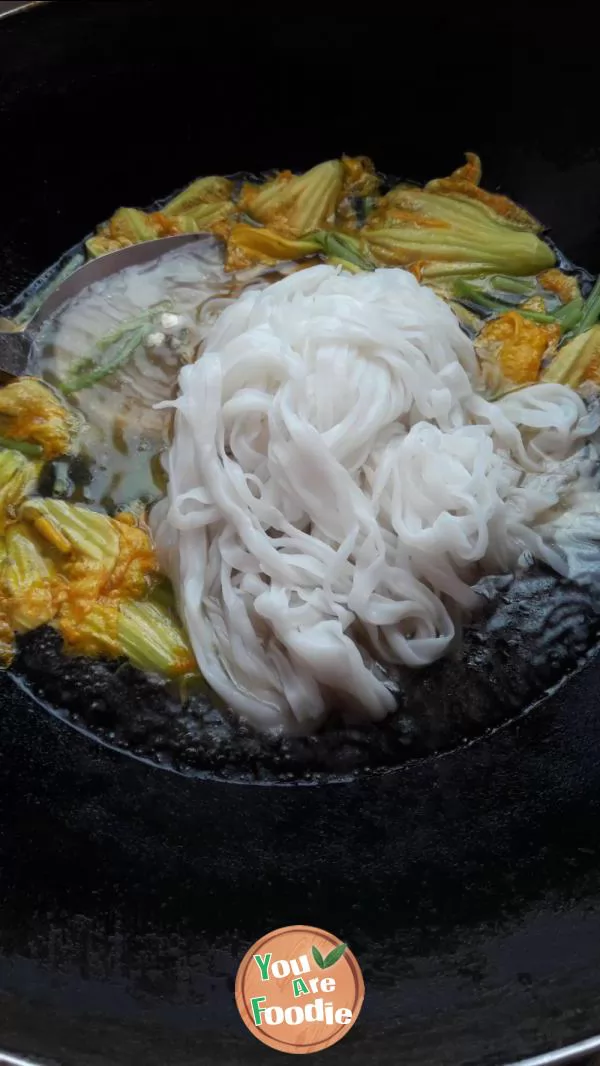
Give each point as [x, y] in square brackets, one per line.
[337, 484]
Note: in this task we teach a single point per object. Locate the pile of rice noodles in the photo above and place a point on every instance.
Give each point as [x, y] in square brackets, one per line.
[338, 483]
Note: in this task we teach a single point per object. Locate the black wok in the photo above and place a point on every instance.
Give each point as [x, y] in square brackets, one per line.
[468, 885]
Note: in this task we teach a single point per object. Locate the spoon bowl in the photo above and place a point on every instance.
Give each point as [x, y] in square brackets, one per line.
[16, 340]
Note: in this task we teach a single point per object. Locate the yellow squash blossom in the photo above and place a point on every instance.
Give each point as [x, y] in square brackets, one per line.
[200, 193]
[296, 204]
[447, 235]
[578, 360]
[463, 184]
[64, 564]
[248, 245]
[200, 208]
[360, 178]
[565, 286]
[452, 226]
[18, 477]
[206, 218]
[517, 345]
[152, 640]
[28, 580]
[7, 645]
[84, 573]
[30, 411]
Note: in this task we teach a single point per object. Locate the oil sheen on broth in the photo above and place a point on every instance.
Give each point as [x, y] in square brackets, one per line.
[123, 436]
[532, 629]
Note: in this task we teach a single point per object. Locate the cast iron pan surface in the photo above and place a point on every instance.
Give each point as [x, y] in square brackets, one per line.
[468, 884]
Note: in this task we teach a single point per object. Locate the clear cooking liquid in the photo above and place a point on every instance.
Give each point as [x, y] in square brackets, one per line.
[535, 629]
[166, 305]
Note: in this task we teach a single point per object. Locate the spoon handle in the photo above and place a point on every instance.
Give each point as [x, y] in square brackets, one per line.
[14, 354]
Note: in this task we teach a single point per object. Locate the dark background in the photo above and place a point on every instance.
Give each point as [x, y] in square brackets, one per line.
[468, 885]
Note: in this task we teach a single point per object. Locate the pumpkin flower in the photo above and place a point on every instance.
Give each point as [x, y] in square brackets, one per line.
[200, 193]
[517, 346]
[578, 360]
[565, 286]
[200, 208]
[248, 245]
[360, 178]
[453, 227]
[91, 576]
[18, 477]
[463, 184]
[28, 580]
[343, 249]
[126, 227]
[32, 414]
[295, 204]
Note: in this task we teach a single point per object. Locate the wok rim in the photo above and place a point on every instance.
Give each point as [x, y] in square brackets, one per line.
[569, 1053]
[18, 8]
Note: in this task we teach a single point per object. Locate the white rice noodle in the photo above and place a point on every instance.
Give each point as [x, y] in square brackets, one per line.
[337, 484]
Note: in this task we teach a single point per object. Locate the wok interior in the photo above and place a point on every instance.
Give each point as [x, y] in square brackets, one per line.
[518, 184]
[479, 860]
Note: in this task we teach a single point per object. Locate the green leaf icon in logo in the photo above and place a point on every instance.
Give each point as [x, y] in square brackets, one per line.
[316, 954]
[334, 955]
[329, 960]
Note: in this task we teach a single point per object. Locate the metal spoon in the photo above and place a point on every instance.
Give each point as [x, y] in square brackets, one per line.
[15, 345]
